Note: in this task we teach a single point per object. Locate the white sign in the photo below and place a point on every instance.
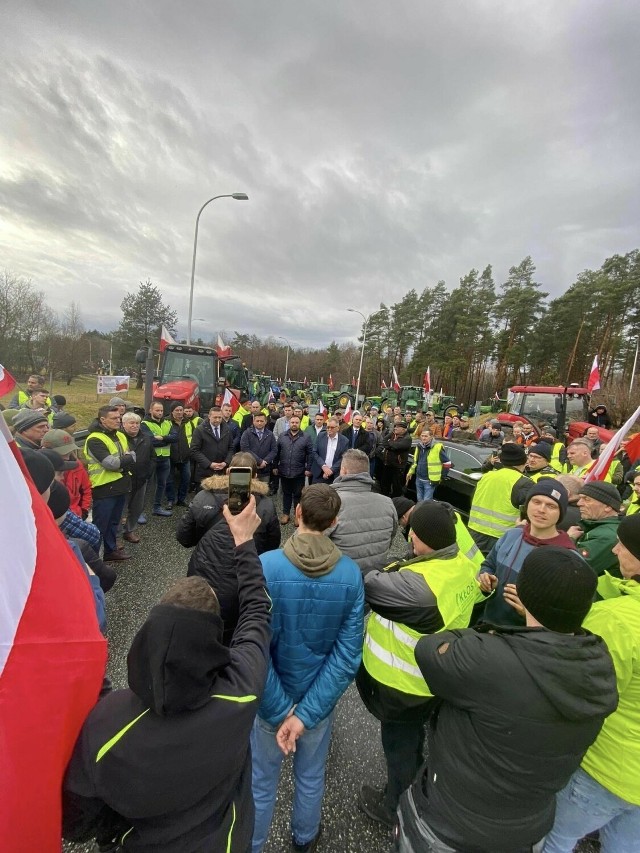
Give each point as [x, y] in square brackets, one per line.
[114, 385]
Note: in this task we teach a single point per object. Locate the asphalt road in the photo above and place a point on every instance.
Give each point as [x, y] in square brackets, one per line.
[355, 755]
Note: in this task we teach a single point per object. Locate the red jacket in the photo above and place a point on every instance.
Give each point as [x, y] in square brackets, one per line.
[79, 488]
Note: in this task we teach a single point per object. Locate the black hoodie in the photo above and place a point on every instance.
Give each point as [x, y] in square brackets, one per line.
[521, 706]
[167, 762]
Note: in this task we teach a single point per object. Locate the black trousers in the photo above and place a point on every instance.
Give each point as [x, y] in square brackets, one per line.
[403, 745]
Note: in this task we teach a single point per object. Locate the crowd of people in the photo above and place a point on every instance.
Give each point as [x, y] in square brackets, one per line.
[506, 648]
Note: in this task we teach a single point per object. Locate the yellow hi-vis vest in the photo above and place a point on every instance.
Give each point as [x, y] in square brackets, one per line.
[434, 464]
[466, 543]
[189, 427]
[582, 471]
[492, 512]
[163, 428]
[98, 475]
[634, 506]
[239, 415]
[23, 398]
[555, 462]
[389, 647]
[538, 475]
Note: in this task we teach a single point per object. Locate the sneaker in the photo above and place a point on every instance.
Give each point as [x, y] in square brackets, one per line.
[371, 802]
[165, 513]
[142, 519]
[310, 846]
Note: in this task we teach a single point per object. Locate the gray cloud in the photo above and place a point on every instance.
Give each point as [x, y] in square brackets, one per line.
[383, 147]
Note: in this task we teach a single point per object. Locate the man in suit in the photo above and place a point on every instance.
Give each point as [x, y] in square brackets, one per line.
[357, 436]
[261, 444]
[211, 446]
[314, 429]
[327, 455]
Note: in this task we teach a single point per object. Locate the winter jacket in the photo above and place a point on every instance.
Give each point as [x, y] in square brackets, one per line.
[145, 458]
[262, 449]
[520, 708]
[79, 487]
[367, 522]
[236, 433]
[180, 447]
[596, 542]
[293, 455]
[614, 759]
[167, 760]
[317, 622]
[95, 450]
[205, 448]
[396, 451]
[505, 561]
[204, 527]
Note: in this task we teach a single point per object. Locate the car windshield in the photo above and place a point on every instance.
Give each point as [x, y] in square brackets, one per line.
[467, 460]
[184, 365]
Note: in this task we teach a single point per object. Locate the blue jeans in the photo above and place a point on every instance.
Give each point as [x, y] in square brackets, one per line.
[180, 471]
[584, 805]
[424, 489]
[107, 513]
[163, 469]
[309, 761]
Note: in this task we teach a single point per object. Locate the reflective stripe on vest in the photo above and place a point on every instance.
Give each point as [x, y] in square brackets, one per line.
[163, 428]
[389, 647]
[434, 463]
[467, 544]
[492, 512]
[98, 475]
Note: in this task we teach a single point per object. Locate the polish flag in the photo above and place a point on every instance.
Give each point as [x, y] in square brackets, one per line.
[632, 448]
[396, 383]
[347, 413]
[322, 409]
[222, 349]
[594, 377]
[52, 659]
[353, 381]
[330, 382]
[165, 338]
[7, 382]
[426, 382]
[598, 470]
[384, 384]
[496, 397]
[232, 401]
[272, 396]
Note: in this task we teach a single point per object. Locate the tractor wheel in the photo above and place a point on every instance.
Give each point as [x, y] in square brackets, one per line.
[344, 400]
[453, 409]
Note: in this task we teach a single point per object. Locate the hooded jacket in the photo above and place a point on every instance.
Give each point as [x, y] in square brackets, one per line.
[204, 527]
[596, 542]
[520, 708]
[167, 760]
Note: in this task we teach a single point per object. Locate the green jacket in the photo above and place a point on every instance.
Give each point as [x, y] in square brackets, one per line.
[614, 758]
[596, 543]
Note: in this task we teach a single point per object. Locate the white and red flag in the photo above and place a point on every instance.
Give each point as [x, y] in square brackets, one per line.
[322, 409]
[594, 377]
[396, 382]
[426, 382]
[330, 382]
[7, 382]
[231, 400]
[598, 471]
[52, 659]
[384, 384]
[272, 396]
[222, 349]
[347, 413]
[165, 338]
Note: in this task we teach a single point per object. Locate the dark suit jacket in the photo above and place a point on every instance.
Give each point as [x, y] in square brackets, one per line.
[205, 449]
[318, 457]
[363, 441]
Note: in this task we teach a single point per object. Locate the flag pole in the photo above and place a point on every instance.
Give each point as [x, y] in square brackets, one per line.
[633, 369]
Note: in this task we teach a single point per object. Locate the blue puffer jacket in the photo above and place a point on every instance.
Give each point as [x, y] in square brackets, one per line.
[316, 644]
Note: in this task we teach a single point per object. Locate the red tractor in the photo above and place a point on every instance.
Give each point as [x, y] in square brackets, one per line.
[198, 377]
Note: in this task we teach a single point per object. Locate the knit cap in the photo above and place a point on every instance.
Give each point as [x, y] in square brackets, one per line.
[59, 464]
[549, 487]
[557, 588]
[433, 524]
[62, 420]
[9, 415]
[40, 468]
[512, 454]
[402, 505]
[60, 441]
[117, 401]
[27, 418]
[629, 534]
[176, 404]
[542, 449]
[59, 500]
[606, 493]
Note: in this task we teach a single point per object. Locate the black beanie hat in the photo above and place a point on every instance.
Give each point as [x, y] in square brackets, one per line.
[550, 488]
[59, 500]
[629, 534]
[175, 405]
[606, 493]
[512, 454]
[557, 588]
[402, 505]
[434, 524]
[542, 449]
[41, 470]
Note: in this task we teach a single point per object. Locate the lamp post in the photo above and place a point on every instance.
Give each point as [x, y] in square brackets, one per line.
[286, 366]
[238, 197]
[364, 340]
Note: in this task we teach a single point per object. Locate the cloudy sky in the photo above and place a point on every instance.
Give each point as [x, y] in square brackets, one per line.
[383, 144]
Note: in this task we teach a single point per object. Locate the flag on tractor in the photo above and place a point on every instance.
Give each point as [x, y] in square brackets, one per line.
[165, 338]
[594, 377]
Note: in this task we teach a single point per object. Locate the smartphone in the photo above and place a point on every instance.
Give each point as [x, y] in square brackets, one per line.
[239, 489]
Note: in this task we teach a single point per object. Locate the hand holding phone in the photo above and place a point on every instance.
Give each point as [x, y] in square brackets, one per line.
[239, 489]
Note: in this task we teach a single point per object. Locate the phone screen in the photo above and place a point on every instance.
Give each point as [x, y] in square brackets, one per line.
[239, 489]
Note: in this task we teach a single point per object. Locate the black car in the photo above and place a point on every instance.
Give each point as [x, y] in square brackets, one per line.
[458, 486]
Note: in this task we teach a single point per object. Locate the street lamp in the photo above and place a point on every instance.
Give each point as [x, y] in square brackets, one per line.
[286, 366]
[238, 197]
[364, 339]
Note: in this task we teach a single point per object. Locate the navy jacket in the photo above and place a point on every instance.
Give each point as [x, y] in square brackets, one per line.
[294, 455]
[319, 454]
[262, 449]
